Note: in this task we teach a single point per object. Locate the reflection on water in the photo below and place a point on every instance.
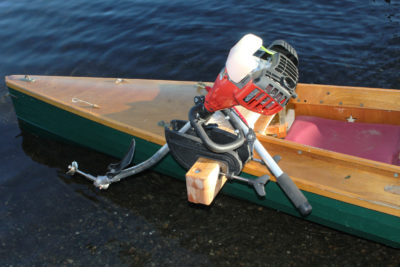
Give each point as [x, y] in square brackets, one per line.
[50, 218]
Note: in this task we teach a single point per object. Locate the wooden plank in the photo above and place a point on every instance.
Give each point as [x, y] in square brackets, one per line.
[370, 105]
[347, 178]
[261, 125]
[342, 113]
[344, 96]
[132, 106]
[203, 181]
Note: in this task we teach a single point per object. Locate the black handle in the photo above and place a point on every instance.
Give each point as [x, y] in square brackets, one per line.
[196, 121]
[294, 194]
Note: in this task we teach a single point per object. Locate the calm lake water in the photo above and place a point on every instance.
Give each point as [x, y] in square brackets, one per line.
[48, 218]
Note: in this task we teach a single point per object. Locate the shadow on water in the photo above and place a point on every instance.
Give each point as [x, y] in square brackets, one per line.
[147, 219]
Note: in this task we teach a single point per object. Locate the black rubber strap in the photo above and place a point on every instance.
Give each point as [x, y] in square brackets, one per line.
[294, 194]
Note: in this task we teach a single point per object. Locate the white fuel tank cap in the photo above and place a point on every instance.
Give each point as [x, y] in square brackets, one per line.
[240, 60]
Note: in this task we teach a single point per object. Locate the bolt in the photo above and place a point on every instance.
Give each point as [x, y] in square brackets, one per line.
[396, 175]
[28, 78]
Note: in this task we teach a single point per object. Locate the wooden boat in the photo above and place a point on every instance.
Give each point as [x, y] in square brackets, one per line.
[356, 195]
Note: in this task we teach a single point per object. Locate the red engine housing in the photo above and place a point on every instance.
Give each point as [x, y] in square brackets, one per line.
[226, 94]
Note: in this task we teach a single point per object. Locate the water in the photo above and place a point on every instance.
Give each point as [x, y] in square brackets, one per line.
[48, 218]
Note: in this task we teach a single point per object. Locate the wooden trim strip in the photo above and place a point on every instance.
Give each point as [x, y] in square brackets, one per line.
[346, 96]
[338, 176]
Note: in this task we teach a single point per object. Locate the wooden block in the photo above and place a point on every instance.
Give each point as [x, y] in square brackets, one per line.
[262, 123]
[203, 181]
[277, 130]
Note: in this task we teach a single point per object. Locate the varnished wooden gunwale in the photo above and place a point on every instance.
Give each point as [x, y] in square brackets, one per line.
[354, 180]
[371, 105]
[346, 178]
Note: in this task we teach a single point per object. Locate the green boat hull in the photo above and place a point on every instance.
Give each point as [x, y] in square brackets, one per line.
[352, 219]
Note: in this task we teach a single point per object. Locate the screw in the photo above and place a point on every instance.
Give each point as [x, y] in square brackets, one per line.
[28, 78]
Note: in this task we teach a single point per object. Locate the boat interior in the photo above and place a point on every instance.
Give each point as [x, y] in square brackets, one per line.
[352, 125]
[341, 142]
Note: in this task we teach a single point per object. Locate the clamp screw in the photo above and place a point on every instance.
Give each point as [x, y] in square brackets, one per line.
[198, 99]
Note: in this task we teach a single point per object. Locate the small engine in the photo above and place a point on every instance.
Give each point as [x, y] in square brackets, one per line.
[260, 79]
